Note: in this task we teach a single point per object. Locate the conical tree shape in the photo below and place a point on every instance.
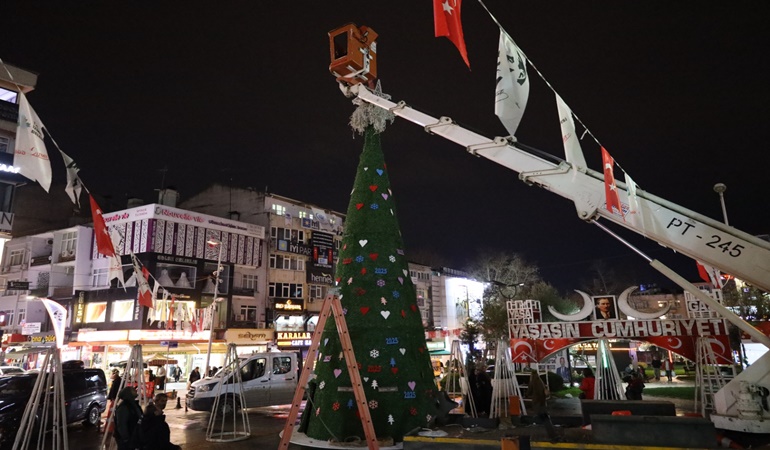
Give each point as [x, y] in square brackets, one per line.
[383, 319]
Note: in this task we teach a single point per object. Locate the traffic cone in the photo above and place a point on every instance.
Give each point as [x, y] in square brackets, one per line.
[178, 401]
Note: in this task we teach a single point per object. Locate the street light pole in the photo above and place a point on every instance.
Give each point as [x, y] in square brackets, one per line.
[218, 272]
[720, 189]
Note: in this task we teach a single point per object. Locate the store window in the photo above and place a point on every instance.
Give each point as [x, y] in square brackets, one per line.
[122, 311]
[317, 291]
[96, 312]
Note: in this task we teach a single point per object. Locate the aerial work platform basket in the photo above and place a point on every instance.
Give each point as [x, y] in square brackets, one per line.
[353, 53]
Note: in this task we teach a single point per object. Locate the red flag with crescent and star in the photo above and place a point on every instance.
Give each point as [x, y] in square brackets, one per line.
[545, 347]
[102, 236]
[610, 188]
[446, 18]
[522, 351]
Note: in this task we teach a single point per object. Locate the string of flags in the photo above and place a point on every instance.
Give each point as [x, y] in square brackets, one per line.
[32, 159]
[511, 96]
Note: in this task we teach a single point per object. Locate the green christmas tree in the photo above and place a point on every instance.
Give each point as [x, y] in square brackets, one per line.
[383, 319]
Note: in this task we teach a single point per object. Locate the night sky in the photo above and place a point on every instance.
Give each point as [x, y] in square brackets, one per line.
[239, 92]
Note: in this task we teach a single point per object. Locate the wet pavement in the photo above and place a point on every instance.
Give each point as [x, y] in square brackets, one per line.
[188, 429]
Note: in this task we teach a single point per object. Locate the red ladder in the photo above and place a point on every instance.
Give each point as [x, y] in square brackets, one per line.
[331, 306]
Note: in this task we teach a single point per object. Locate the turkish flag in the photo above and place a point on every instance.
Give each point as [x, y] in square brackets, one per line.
[545, 347]
[610, 189]
[145, 295]
[103, 240]
[446, 18]
[522, 351]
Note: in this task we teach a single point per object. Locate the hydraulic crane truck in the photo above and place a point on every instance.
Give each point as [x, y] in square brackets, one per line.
[741, 405]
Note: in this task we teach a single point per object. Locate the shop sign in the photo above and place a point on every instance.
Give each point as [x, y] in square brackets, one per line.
[434, 346]
[18, 286]
[80, 307]
[42, 339]
[293, 247]
[85, 335]
[167, 335]
[317, 276]
[248, 336]
[294, 339]
[30, 328]
[289, 305]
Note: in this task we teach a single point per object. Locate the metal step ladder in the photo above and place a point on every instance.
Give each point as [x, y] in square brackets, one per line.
[505, 386]
[333, 307]
[709, 378]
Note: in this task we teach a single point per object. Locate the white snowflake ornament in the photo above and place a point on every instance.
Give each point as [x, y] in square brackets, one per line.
[373, 404]
[374, 353]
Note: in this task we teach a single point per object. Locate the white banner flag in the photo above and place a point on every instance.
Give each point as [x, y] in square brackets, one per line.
[58, 319]
[74, 187]
[512, 90]
[322, 219]
[572, 151]
[30, 155]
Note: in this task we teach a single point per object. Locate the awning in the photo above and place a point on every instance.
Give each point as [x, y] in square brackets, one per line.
[18, 354]
[161, 362]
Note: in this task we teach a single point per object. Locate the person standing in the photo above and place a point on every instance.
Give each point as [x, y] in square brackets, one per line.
[668, 366]
[156, 434]
[656, 364]
[127, 416]
[177, 374]
[635, 387]
[112, 395]
[588, 384]
[195, 375]
[160, 377]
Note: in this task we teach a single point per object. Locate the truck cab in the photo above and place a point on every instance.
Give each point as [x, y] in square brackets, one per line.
[268, 379]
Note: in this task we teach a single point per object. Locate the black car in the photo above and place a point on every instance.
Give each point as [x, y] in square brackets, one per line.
[85, 399]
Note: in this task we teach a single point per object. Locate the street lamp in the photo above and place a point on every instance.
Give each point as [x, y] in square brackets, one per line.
[214, 242]
[720, 189]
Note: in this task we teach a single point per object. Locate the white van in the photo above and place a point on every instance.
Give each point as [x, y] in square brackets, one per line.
[268, 379]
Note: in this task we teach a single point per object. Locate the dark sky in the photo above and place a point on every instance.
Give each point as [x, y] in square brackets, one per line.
[239, 91]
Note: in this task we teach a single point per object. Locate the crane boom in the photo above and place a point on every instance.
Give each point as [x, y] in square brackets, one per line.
[699, 237]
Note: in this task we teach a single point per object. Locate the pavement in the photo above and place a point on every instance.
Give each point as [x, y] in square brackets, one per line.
[188, 428]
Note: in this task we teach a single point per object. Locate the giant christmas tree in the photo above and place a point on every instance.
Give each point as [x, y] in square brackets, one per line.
[381, 313]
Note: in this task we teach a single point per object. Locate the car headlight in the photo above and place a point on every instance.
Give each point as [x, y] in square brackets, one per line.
[206, 387]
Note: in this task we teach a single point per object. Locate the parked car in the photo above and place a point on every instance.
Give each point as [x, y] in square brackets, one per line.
[85, 399]
[267, 378]
[10, 370]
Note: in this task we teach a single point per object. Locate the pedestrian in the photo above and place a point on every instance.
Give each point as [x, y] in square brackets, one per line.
[668, 366]
[195, 375]
[156, 434]
[112, 396]
[160, 378]
[635, 387]
[656, 364]
[588, 384]
[483, 401]
[127, 417]
[177, 374]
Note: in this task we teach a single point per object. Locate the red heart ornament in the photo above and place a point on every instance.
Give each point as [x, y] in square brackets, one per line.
[414, 307]
[403, 313]
[373, 256]
[359, 205]
[364, 310]
[373, 187]
[363, 271]
[394, 370]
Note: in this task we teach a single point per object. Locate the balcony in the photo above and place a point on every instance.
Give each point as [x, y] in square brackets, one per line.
[40, 260]
[244, 291]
